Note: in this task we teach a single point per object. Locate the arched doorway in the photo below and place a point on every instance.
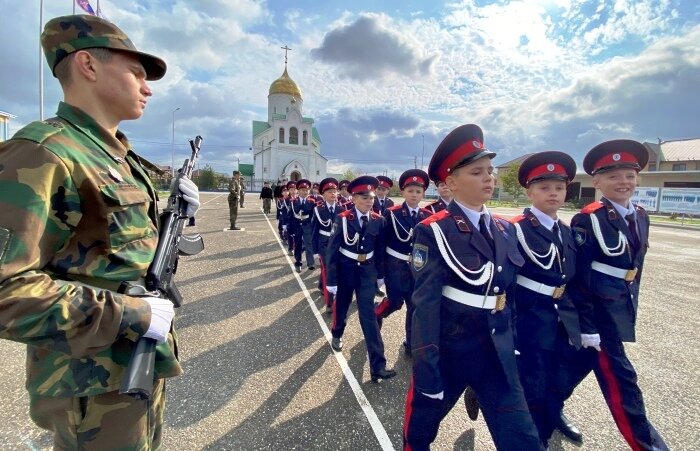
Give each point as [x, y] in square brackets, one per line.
[295, 175]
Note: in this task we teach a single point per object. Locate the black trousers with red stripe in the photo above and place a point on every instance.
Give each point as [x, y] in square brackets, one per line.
[503, 405]
[399, 289]
[618, 382]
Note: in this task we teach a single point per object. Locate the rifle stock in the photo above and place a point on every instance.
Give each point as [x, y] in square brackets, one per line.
[139, 376]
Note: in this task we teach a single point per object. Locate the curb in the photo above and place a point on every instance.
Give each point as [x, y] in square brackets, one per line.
[675, 226]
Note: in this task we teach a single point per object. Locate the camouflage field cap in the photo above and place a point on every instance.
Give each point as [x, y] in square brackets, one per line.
[67, 34]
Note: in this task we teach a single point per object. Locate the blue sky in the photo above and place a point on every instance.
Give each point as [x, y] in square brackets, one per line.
[386, 81]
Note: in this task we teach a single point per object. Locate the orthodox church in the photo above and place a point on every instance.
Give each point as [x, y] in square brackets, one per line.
[287, 146]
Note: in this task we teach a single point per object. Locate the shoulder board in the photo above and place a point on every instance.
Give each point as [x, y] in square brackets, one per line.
[39, 131]
[311, 198]
[319, 203]
[426, 211]
[394, 207]
[436, 217]
[590, 208]
[374, 215]
[640, 209]
[517, 219]
[345, 214]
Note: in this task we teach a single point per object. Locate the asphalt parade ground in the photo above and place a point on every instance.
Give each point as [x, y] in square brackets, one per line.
[259, 372]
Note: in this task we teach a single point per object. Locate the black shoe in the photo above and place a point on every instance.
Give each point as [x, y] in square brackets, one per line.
[235, 228]
[298, 267]
[568, 429]
[407, 349]
[311, 268]
[471, 403]
[383, 374]
[379, 293]
[337, 344]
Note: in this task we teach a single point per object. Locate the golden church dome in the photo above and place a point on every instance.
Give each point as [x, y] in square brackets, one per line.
[285, 85]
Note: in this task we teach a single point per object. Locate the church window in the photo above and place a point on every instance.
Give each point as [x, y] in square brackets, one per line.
[281, 135]
[305, 137]
[293, 136]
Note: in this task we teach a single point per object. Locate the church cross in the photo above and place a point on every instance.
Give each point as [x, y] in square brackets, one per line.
[286, 49]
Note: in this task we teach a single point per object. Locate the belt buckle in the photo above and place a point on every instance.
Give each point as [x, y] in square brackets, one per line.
[361, 258]
[500, 302]
[559, 292]
[631, 275]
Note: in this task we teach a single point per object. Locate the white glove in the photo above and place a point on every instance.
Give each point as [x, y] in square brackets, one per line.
[380, 283]
[317, 257]
[332, 290]
[190, 193]
[591, 341]
[439, 396]
[284, 227]
[162, 313]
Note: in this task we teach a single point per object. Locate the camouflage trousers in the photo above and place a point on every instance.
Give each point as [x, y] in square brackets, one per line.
[233, 208]
[103, 422]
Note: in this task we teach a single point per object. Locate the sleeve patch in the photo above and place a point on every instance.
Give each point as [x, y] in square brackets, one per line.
[419, 257]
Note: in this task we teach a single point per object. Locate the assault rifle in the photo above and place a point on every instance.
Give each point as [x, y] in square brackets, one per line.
[138, 380]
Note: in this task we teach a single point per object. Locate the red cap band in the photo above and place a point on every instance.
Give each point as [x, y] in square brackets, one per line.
[329, 185]
[546, 169]
[360, 188]
[615, 159]
[384, 184]
[413, 180]
[458, 155]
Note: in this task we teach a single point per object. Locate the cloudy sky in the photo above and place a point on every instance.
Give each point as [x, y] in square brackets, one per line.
[386, 80]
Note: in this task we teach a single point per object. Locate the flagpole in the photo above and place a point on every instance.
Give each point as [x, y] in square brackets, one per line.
[41, 62]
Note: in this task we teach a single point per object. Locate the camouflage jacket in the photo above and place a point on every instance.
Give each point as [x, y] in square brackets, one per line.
[76, 205]
[235, 187]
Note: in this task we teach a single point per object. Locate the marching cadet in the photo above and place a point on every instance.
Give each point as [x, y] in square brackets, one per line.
[382, 202]
[79, 218]
[300, 214]
[292, 187]
[281, 204]
[324, 216]
[464, 263]
[400, 223]
[355, 258]
[315, 192]
[445, 197]
[344, 198]
[612, 237]
[546, 318]
[234, 192]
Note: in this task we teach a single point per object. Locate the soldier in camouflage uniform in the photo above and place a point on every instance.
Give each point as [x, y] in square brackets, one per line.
[80, 222]
[235, 189]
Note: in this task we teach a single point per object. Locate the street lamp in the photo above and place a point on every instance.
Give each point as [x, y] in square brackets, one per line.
[423, 152]
[172, 145]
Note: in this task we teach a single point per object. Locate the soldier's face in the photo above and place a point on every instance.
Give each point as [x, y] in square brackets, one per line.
[444, 191]
[382, 191]
[472, 185]
[617, 185]
[413, 195]
[121, 87]
[547, 196]
[344, 192]
[363, 201]
[330, 195]
[303, 192]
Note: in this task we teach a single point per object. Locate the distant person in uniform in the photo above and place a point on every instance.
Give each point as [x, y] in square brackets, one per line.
[343, 196]
[382, 201]
[80, 218]
[324, 216]
[444, 198]
[234, 192]
[300, 216]
[355, 258]
[612, 236]
[399, 232]
[464, 263]
[266, 195]
[242, 196]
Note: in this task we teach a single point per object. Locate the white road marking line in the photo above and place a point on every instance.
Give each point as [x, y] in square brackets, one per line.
[213, 199]
[362, 400]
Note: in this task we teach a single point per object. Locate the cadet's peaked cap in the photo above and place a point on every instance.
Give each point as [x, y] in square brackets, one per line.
[414, 177]
[385, 181]
[616, 154]
[343, 184]
[291, 184]
[546, 165]
[460, 147]
[303, 183]
[328, 183]
[315, 185]
[67, 34]
[363, 184]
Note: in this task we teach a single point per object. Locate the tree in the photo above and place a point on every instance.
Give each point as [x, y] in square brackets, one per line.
[208, 179]
[510, 183]
[349, 175]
